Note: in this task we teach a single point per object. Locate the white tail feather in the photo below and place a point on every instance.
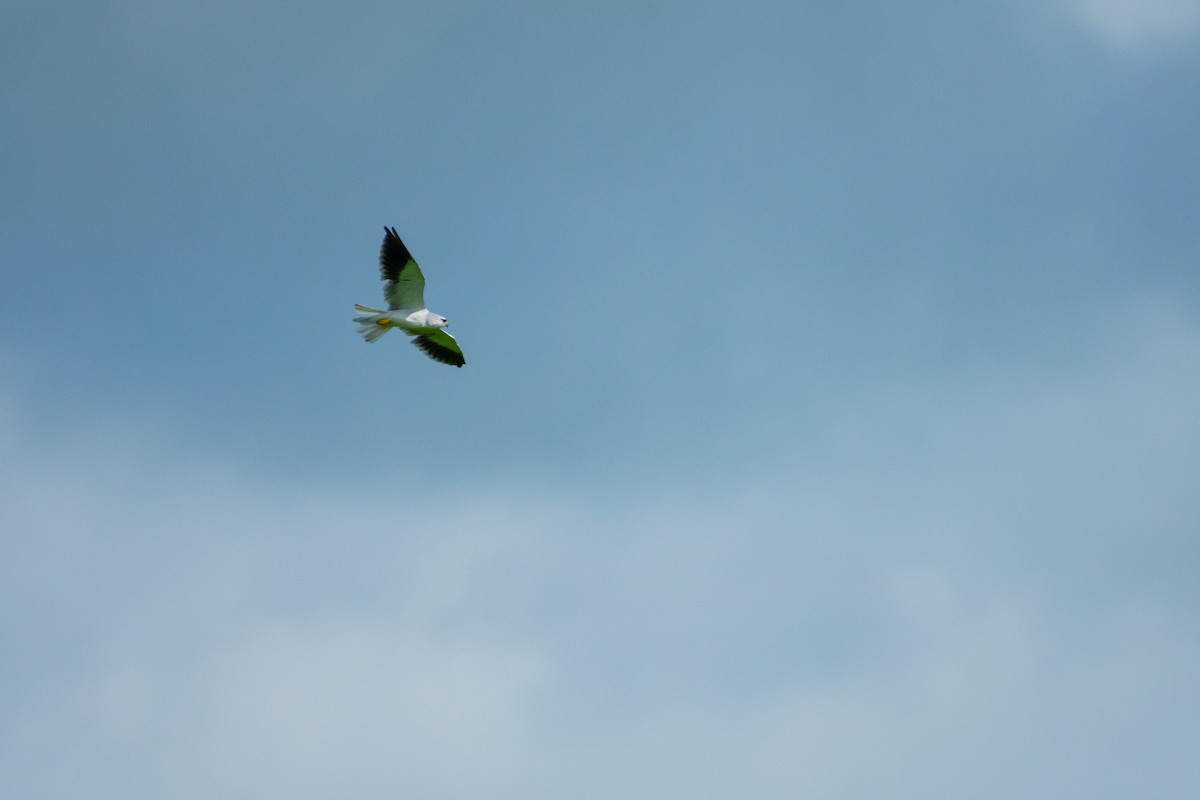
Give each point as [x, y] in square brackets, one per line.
[368, 326]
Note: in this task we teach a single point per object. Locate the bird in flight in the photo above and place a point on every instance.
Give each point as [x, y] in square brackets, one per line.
[404, 291]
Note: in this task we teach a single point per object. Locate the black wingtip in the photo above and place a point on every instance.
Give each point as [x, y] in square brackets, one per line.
[439, 353]
[393, 255]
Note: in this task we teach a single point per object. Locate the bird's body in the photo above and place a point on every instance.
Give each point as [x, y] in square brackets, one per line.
[404, 291]
[420, 321]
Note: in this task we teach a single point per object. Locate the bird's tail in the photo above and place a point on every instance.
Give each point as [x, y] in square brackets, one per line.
[373, 324]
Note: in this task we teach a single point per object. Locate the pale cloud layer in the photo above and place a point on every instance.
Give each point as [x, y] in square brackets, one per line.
[989, 592]
[1136, 26]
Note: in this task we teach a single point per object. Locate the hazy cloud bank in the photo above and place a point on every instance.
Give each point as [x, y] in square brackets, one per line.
[988, 592]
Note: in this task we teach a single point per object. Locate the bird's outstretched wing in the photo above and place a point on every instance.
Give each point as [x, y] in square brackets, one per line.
[440, 346]
[405, 287]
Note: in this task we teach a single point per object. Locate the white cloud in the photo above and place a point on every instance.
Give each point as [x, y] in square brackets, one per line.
[988, 594]
[1138, 25]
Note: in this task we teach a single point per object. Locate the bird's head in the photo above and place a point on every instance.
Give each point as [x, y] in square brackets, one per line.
[431, 320]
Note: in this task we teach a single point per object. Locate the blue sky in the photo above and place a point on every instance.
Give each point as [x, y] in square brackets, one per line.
[828, 429]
